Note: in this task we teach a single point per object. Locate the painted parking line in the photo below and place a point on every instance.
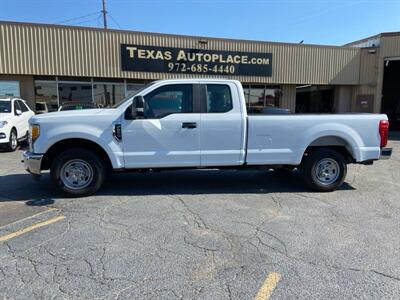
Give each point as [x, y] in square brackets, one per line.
[30, 228]
[265, 291]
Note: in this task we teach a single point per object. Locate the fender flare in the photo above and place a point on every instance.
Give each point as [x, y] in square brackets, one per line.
[344, 132]
[89, 134]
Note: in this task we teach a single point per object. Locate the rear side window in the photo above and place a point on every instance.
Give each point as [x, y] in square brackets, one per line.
[169, 99]
[219, 99]
[23, 106]
[16, 106]
[40, 106]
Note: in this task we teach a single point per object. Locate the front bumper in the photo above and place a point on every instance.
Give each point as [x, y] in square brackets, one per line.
[386, 153]
[32, 162]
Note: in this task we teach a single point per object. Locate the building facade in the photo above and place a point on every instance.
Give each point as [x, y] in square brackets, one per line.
[54, 64]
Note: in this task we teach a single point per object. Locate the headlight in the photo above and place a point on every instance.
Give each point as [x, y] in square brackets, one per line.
[34, 131]
[3, 124]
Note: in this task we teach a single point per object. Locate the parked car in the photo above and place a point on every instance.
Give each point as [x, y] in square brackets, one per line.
[198, 123]
[77, 106]
[14, 125]
[41, 108]
[275, 111]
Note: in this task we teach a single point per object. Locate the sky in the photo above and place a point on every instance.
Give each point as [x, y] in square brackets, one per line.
[313, 21]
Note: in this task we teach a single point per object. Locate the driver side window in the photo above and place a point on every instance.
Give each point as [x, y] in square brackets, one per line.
[168, 99]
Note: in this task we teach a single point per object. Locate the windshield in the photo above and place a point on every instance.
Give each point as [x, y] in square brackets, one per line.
[40, 106]
[134, 94]
[5, 106]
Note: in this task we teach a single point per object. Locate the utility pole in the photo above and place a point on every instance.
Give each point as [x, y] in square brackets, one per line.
[104, 12]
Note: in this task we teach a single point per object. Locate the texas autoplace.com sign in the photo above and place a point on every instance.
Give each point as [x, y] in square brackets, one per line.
[194, 61]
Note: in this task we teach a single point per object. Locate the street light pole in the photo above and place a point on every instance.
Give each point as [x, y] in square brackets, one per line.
[104, 12]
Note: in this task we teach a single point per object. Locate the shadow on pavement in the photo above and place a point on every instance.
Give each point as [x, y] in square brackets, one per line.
[39, 202]
[21, 187]
[394, 135]
[23, 147]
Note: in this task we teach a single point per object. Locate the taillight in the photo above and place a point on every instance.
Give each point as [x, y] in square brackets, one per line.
[384, 132]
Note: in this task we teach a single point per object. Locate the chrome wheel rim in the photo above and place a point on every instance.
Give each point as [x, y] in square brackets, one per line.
[326, 171]
[13, 140]
[76, 174]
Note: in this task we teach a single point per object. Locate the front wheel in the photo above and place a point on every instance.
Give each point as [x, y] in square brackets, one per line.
[78, 172]
[324, 170]
[13, 141]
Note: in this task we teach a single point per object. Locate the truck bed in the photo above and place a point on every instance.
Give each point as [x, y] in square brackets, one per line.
[282, 139]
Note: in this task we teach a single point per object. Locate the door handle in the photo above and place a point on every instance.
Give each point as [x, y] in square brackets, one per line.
[189, 125]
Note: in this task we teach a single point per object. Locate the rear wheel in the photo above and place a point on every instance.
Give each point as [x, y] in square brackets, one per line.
[324, 170]
[78, 172]
[13, 141]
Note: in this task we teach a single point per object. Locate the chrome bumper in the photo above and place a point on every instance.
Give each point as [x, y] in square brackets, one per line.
[32, 162]
[386, 153]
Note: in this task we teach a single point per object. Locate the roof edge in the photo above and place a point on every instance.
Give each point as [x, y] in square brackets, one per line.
[169, 35]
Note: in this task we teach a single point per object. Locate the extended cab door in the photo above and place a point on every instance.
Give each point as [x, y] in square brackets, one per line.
[169, 133]
[19, 120]
[222, 125]
[24, 118]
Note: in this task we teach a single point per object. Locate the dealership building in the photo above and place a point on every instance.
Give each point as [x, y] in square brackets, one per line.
[52, 64]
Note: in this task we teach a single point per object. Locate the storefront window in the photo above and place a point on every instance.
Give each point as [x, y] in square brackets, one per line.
[108, 94]
[46, 96]
[75, 92]
[259, 97]
[256, 99]
[9, 88]
[272, 97]
[131, 88]
[314, 99]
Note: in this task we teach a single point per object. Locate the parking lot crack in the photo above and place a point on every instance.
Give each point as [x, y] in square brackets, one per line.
[228, 288]
[276, 201]
[364, 270]
[195, 216]
[274, 237]
[386, 275]
[198, 246]
[9, 249]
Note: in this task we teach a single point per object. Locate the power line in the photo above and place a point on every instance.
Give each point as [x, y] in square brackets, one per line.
[87, 21]
[103, 13]
[77, 18]
[115, 21]
[98, 21]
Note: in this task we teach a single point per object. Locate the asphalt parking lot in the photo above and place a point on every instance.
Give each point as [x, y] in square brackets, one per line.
[202, 235]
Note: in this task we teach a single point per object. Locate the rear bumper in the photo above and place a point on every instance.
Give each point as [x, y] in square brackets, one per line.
[386, 153]
[32, 162]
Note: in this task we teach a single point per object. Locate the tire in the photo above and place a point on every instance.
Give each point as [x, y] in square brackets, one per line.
[26, 138]
[78, 172]
[13, 141]
[324, 170]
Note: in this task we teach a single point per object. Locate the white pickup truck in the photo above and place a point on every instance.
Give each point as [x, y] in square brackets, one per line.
[198, 123]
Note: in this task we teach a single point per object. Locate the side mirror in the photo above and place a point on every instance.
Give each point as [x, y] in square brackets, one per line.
[137, 108]
[18, 112]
